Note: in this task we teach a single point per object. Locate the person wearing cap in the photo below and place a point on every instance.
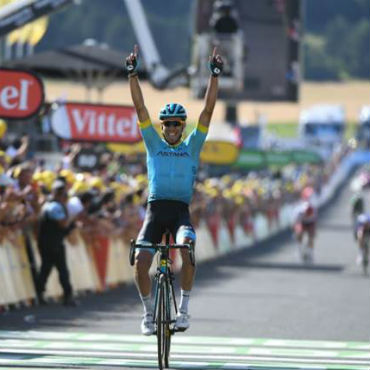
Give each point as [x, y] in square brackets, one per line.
[172, 166]
[54, 226]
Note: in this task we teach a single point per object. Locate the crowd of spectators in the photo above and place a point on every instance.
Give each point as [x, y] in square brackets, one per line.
[111, 199]
[118, 191]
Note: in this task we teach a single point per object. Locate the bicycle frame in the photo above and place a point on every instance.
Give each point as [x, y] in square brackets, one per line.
[163, 269]
[165, 301]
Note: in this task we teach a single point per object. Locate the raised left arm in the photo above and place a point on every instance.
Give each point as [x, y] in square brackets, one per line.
[216, 66]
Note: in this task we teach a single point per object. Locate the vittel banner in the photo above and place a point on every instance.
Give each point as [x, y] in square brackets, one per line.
[97, 123]
[21, 94]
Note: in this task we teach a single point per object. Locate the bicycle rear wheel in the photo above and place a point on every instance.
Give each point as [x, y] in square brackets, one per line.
[163, 325]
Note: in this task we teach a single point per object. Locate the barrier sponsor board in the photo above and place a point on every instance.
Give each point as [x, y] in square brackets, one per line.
[137, 148]
[275, 158]
[21, 94]
[306, 156]
[95, 123]
[251, 159]
[219, 152]
[257, 159]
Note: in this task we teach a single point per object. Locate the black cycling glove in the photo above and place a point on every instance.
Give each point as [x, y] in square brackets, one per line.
[215, 66]
[131, 64]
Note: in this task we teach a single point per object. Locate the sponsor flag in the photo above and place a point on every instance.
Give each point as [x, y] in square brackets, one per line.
[219, 152]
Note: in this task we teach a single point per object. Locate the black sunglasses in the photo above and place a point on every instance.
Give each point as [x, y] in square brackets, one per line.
[172, 123]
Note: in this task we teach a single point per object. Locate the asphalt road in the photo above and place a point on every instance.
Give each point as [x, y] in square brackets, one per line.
[262, 292]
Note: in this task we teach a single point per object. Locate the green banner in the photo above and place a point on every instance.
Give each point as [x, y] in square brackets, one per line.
[251, 159]
[258, 159]
[305, 156]
[278, 158]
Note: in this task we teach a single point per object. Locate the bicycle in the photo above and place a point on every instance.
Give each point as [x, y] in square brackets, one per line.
[365, 251]
[165, 306]
[305, 252]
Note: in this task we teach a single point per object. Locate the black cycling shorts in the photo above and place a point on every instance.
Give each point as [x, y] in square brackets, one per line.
[166, 214]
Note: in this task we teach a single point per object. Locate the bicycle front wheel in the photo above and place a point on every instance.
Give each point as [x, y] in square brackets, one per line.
[163, 324]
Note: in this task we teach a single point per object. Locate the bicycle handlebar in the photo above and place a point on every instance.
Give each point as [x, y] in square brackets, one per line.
[160, 246]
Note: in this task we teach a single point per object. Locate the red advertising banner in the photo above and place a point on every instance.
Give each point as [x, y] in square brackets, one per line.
[96, 122]
[21, 94]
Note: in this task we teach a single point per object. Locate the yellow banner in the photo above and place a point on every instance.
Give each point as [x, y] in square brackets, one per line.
[127, 148]
[213, 152]
[219, 152]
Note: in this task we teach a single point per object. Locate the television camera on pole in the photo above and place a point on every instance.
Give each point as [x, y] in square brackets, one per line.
[259, 41]
[222, 30]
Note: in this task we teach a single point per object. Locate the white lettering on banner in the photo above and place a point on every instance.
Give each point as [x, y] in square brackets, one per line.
[134, 126]
[24, 94]
[121, 126]
[110, 122]
[101, 120]
[79, 121]
[92, 122]
[87, 121]
[9, 96]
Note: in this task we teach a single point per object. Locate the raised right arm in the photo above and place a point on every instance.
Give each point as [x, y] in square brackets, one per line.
[135, 89]
[137, 98]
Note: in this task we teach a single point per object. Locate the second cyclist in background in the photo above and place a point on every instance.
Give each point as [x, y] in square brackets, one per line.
[357, 208]
[305, 225]
[363, 239]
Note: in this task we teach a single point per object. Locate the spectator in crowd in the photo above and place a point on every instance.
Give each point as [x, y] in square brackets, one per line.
[69, 155]
[26, 188]
[54, 226]
[17, 150]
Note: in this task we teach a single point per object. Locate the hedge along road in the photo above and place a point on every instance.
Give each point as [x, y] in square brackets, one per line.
[238, 303]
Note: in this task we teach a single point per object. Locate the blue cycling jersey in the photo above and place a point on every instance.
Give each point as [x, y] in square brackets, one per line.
[172, 169]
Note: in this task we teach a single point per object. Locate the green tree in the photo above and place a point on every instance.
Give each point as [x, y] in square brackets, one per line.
[341, 51]
[317, 64]
[358, 54]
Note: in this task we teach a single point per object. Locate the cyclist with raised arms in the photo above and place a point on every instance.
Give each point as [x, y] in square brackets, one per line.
[172, 164]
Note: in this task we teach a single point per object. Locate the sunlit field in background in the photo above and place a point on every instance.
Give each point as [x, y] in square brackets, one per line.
[281, 117]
